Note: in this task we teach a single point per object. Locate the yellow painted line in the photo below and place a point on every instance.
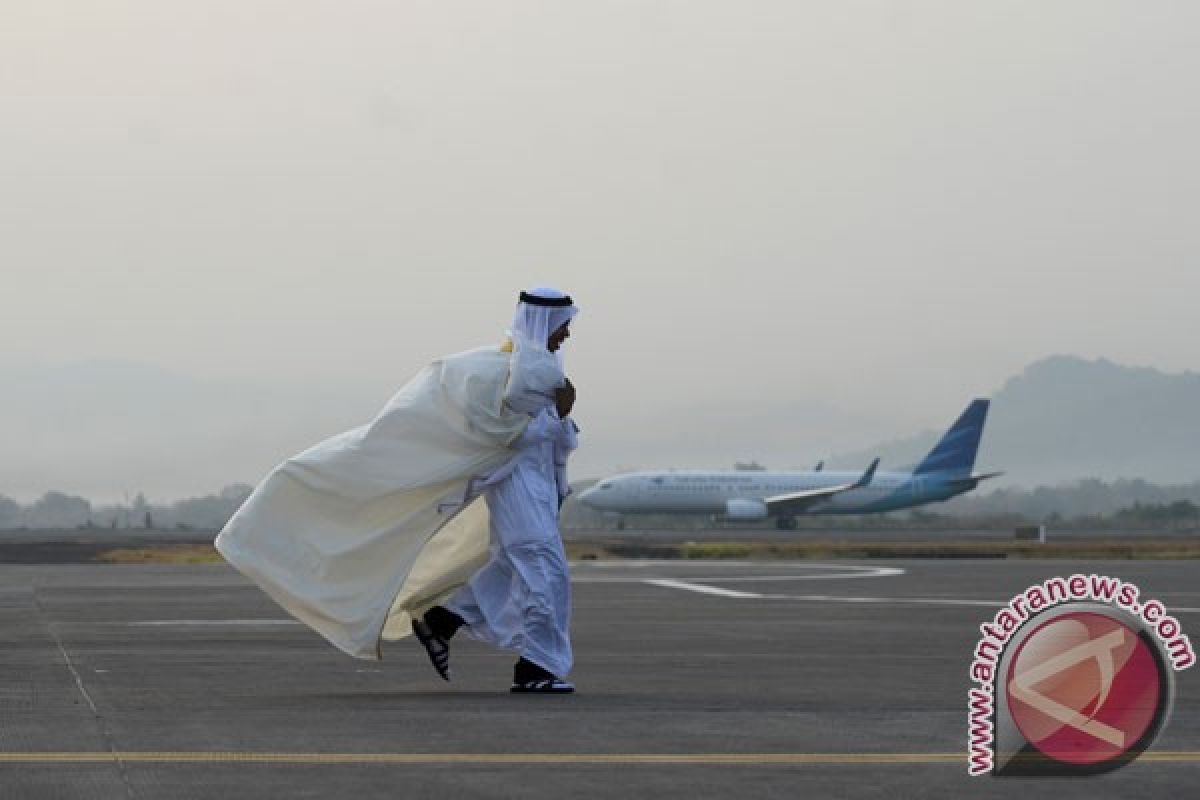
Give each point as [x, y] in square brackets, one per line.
[745, 759]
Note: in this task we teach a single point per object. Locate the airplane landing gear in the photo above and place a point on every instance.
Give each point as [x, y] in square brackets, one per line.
[785, 523]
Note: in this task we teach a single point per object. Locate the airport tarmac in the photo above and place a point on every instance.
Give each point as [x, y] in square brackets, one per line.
[696, 679]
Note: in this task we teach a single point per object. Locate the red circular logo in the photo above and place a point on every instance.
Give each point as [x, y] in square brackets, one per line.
[1083, 688]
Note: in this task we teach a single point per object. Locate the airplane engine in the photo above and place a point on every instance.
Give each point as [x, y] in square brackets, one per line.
[745, 509]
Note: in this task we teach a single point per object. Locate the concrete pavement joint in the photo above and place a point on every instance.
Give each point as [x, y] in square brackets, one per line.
[746, 759]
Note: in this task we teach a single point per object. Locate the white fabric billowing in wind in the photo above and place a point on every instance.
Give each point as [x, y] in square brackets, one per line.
[535, 377]
[363, 530]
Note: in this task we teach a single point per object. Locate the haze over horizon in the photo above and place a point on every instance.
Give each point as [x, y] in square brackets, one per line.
[795, 229]
[109, 430]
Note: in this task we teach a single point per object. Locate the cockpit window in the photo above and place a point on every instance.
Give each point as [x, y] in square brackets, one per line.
[606, 486]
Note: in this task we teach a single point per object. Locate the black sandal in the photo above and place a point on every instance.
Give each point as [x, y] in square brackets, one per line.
[543, 686]
[437, 648]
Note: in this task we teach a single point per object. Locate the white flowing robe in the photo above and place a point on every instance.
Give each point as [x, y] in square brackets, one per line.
[365, 530]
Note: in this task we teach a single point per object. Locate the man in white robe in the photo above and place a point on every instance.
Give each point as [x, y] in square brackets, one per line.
[362, 534]
[520, 600]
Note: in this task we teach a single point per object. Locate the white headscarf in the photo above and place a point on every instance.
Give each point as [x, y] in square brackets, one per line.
[533, 323]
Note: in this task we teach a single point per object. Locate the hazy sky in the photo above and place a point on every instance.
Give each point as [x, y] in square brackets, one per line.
[793, 227]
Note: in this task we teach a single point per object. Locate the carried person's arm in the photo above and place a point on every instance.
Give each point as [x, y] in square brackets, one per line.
[564, 398]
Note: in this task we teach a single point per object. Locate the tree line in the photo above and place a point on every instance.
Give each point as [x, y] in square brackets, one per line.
[58, 510]
[1090, 503]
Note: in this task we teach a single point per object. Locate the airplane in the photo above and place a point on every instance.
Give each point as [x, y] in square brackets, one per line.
[751, 495]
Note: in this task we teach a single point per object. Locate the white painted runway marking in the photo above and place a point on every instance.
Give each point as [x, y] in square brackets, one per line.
[695, 585]
[709, 563]
[181, 623]
[843, 571]
[701, 588]
[929, 601]
[921, 601]
[830, 598]
[925, 601]
[846, 571]
[860, 572]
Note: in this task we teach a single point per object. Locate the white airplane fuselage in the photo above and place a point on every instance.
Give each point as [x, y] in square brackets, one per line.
[738, 494]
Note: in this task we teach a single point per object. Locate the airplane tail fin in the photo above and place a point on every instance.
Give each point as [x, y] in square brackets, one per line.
[955, 453]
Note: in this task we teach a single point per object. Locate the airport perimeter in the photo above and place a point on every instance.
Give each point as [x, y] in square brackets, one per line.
[696, 679]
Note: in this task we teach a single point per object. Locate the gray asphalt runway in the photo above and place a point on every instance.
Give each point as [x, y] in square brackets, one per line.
[696, 680]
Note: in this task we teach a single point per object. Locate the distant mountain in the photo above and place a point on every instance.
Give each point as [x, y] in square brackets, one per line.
[1066, 418]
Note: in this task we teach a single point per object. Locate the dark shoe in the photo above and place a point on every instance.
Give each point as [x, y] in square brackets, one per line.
[543, 686]
[437, 648]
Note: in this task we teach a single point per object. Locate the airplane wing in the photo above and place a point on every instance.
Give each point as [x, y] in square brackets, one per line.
[797, 502]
